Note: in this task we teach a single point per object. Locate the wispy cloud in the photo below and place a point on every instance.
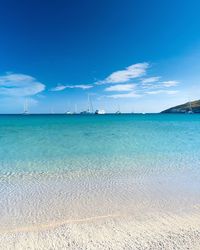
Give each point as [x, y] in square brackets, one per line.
[126, 95]
[141, 87]
[168, 92]
[19, 85]
[157, 84]
[169, 83]
[121, 76]
[59, 88]
[121, 87]
[151, 79]
[62, 87]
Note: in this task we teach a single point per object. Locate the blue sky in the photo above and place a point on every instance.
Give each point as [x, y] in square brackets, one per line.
[140, 55]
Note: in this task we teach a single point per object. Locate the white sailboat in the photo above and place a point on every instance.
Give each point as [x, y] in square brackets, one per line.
[26, 107]
[89, 109]
[190, 111]
[75, 110]
[100, 112]
[68, 112]
[118, 112]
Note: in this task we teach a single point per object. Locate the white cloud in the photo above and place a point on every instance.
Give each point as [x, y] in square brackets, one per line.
[59, 88]
[168, 92]
[150, 86]
[151, 79]
[19, 85]
[169, 83]
[127, 95]
[62, 87]
[133, 71]
[158, 85]
[81, 86]
[121, 87]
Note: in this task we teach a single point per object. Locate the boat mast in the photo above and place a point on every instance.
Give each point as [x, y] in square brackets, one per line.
[190, 106]
[75, 108]
[68, 107]
[26, 107]
[90, 106]
[88, 103]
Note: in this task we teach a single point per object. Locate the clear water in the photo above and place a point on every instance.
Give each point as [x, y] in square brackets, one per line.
[38, 143]
[55, 167]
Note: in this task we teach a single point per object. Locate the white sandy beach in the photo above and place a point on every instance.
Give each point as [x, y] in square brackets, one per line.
[107, 232]
[100, 210]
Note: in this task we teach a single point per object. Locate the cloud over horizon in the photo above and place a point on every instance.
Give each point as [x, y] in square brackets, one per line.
[125, 95]
[129, 73]
[120, 82]
[20, 85]
[118, 85]
[168, 92]
[151, 79]
[151, 85]
[121, 87]
[169, 83]
[63, 87]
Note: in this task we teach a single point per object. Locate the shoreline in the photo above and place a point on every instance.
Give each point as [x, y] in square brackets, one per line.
[74, 211]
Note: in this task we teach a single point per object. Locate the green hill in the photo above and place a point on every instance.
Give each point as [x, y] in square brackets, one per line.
[185, 108]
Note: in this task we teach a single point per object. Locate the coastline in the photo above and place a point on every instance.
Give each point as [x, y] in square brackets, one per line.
[112, 182]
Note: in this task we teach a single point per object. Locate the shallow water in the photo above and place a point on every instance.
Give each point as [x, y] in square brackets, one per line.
[58, 167]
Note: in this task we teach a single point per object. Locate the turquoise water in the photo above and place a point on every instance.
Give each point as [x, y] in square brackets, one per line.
[48, 143]
[59, 167]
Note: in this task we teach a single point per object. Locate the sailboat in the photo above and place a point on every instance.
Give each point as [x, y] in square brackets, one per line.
[26, 107]
[68, 112]
[100, 112]
[118, 112]
[89, 109]
[190, 108]
[75, 110]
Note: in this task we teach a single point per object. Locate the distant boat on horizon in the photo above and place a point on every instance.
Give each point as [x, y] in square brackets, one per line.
[133, 111]
[190, 111]
[68, 113]
[118, 112]
[75, 110]
[26, 107]
[89, 109]
[100, 112]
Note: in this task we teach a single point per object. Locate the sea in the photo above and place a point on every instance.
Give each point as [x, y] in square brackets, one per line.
[55, 167]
